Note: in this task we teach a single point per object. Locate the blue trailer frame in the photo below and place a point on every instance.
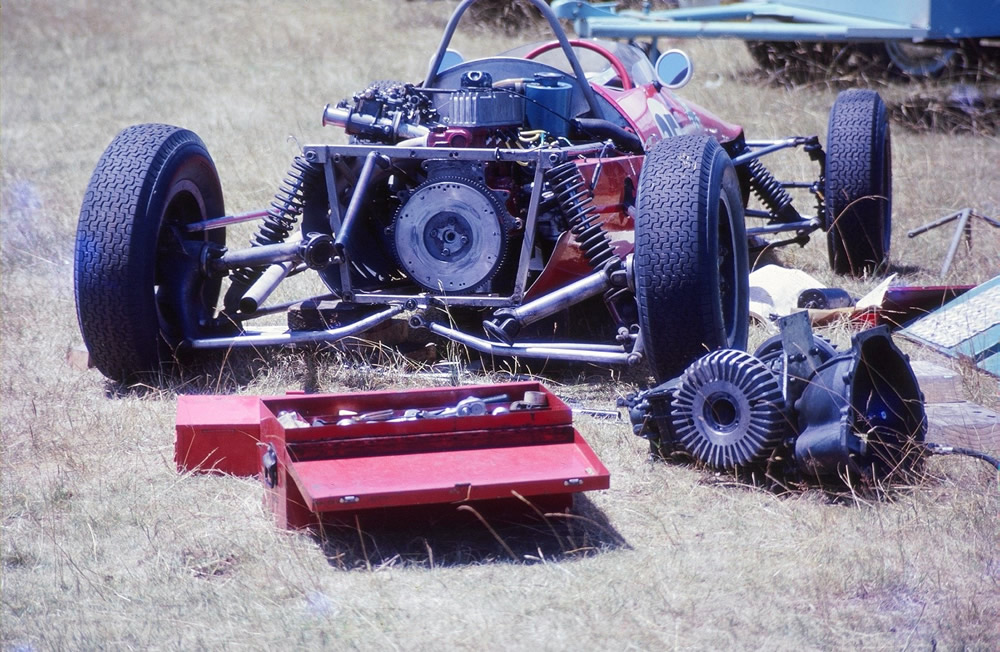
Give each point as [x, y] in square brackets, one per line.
[945, 22]
[794, 20]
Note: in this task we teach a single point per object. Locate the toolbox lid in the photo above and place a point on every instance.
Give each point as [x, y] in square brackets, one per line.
[454, 476]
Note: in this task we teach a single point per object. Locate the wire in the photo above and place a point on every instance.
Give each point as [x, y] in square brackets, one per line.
[532, 136]
[940, 449]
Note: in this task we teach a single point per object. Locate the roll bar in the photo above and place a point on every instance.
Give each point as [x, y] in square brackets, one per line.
[560, 34]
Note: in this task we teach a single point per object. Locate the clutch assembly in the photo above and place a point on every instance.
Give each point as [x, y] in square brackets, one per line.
[797, 407]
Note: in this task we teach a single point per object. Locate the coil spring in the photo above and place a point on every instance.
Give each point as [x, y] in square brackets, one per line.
[576, 203]
[284, 211]
[767, 188]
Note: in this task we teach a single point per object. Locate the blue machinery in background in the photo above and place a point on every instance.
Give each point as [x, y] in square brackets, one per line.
[895, 22]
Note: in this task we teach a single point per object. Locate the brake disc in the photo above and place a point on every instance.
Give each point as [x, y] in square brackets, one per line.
[450, 236]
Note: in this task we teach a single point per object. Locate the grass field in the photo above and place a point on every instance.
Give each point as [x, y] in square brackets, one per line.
[105, 546]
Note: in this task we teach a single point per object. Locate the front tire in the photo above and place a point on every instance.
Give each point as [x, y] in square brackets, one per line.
[690, 262]
[858, 187]
[139, 288]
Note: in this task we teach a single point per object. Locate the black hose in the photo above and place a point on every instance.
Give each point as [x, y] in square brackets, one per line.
[594, 127]
[940, 449]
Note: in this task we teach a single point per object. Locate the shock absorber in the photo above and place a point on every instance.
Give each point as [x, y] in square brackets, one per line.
[770, 191]
[288, 202]
[576, 202]
[277, 225]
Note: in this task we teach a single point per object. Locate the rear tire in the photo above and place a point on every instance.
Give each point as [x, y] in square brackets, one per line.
[858, 187]
[690, 261]
[138, 293]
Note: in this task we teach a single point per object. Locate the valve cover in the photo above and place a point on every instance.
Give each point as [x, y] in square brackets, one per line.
[451, 234]
[483, 108]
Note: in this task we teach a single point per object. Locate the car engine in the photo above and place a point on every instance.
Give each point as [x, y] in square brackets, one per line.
[454, 221]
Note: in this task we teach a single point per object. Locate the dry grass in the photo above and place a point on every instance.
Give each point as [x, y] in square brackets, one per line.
[104, 545]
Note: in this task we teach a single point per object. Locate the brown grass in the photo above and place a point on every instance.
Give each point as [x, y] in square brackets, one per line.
[104, 545]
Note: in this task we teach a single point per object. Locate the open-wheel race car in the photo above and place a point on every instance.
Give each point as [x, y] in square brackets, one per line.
[483, 204]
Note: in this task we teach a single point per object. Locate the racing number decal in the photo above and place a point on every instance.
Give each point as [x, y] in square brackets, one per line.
[665, 121]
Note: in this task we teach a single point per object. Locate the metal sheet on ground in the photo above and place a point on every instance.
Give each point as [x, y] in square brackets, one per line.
[963, 424]
[967, 327]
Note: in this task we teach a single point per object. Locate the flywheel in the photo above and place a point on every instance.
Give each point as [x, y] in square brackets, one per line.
[451, 234]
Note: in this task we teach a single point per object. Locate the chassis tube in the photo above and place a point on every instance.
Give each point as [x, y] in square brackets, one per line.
[315, 250]
[354, 208]
[264, 286]
[803, 225]
[760, 148]
[560, 299]
[528, 243]
[580, 354]
[260, 255]
[220, 222]
[507, 322]
[298, 337]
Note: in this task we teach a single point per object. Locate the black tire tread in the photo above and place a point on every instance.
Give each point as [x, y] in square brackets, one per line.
[114, 306]
[855, 229]
[671, 263]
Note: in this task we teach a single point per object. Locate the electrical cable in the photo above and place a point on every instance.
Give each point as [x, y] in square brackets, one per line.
[941, 449]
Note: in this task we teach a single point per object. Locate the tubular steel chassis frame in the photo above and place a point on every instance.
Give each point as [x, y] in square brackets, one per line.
[419, 303]
[290, 257]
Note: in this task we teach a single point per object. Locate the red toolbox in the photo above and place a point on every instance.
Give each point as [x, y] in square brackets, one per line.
[218, 434]
[323, 463]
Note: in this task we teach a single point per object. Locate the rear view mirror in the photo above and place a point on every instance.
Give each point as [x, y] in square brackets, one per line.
[674, 68]
[451, 59]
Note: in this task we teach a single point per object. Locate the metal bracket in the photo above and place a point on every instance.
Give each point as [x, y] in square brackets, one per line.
[964, 218]
[801, 357]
